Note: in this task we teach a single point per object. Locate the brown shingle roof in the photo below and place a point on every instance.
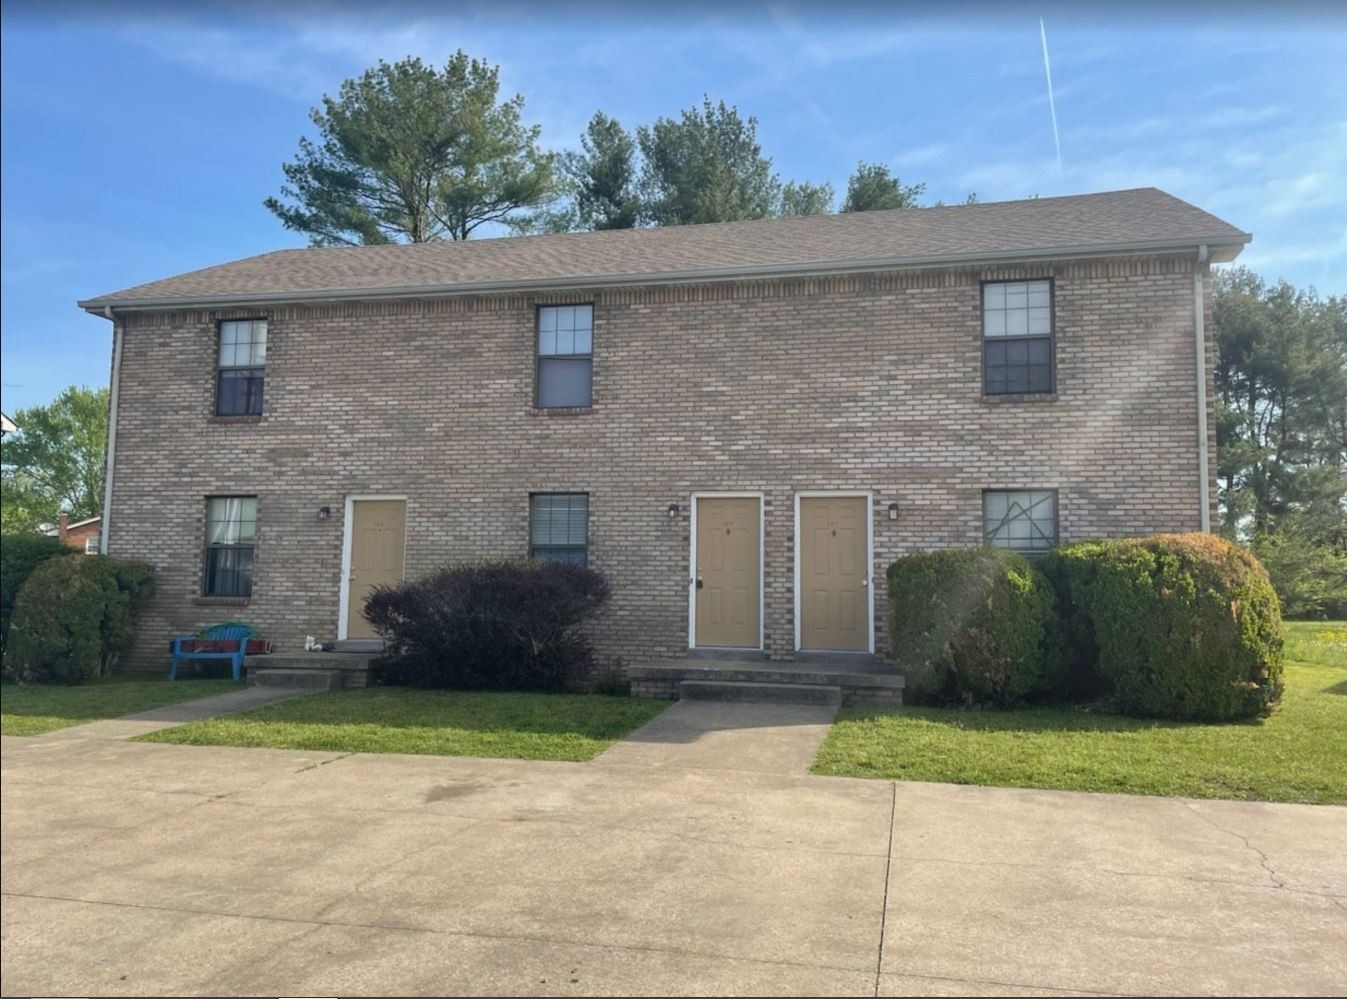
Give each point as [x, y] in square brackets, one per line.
[1145, 218]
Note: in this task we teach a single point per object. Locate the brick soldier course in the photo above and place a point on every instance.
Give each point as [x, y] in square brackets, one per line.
[866, 381]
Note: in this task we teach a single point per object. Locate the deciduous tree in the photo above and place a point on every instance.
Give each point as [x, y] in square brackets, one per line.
[55, 460]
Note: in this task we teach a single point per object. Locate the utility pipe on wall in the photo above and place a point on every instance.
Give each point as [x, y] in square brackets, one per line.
[111, 455]
[1200, 332]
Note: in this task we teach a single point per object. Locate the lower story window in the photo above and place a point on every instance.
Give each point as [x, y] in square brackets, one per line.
[231, 535]
[559, 527]
[1022, 519]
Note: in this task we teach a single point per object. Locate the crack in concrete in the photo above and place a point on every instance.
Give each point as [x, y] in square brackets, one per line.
[888, 870]
[323, 763]
[1262, 857]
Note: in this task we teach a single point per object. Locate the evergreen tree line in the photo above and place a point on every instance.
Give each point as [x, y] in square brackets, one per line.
[1281, 383]
[408, 152]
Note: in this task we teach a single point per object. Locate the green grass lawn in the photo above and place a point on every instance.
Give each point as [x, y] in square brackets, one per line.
[433, 722]
[32, 710]
[1297, 754]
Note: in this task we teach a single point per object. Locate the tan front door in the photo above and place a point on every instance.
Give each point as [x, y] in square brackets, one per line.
[834, 574]
[378, 531]
[727, 573]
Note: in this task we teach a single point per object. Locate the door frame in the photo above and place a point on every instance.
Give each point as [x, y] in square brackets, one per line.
[343, 609]
[869, 559]
[692, 564]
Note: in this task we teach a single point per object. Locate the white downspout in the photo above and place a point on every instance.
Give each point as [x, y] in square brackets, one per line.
[112, 430]
[1200, 332]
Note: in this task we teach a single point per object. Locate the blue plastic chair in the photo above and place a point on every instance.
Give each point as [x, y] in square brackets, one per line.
[219, 633]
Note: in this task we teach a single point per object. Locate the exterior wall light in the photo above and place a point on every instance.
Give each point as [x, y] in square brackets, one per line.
[324, 512]
[893, 511]
[673, 511]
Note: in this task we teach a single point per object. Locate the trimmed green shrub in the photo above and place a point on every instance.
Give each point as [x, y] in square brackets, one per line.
[972, 624]
[20, 554]
[1186, 626]
[74, 617]
[494, 625]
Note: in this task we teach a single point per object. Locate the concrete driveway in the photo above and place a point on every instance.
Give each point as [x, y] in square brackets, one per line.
[695, 858]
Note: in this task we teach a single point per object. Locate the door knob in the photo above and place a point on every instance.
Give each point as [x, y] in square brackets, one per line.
[865, 582]
[699, 584]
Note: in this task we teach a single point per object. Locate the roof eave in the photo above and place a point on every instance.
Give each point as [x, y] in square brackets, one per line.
[1221, 249]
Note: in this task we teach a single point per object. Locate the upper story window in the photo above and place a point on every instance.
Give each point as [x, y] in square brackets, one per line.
[565, 356]
[1017, 328]
[241, 367]
[559, 527]
[1022, 519]
[231, 535]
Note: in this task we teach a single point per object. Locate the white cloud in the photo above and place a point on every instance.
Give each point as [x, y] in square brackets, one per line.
[280, 66]
[1274, 259]
[1315, 190]
[932, 152]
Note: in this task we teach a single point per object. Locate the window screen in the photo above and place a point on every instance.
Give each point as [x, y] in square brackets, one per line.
[559, 527]
[241, 367]
[1017, 333]
[565, 355]
[1025, 520]
[231, 534]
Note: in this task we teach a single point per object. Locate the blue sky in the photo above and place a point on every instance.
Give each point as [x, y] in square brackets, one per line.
[140, 142]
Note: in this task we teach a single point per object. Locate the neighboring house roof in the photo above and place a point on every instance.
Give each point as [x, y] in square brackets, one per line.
[6, 425]
[1141, 220]
[53, 528]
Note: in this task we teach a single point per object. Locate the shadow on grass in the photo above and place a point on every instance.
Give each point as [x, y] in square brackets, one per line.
[592, 716]
[1033, 719]
[108, 698]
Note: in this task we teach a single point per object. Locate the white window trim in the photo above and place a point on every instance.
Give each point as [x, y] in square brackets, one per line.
[344, 591]
[692, 566]
[870, 561]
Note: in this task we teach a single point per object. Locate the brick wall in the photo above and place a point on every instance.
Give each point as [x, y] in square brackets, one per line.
[857, 383]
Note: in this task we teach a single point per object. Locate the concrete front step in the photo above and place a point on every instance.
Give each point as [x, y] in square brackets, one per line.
[299, 679]
[872, 685]
[739, 673]
[759, 693]
[352, 668]
[373, 646]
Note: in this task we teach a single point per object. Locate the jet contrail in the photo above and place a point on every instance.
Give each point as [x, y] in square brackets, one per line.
[1052, 105]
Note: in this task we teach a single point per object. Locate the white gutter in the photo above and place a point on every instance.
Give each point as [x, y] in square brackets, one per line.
[642, 279]
[1200, 334]
[118, 332]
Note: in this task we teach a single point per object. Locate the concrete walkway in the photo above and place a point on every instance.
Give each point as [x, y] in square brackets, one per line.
[709, 735]
[139, 868]
[170, 715]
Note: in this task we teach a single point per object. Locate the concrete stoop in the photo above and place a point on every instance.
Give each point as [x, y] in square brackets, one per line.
[759, 693]
[297, 679]
[864, 683]
[310, 670]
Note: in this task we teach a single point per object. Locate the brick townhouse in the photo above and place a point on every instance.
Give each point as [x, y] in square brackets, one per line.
[740, 424]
